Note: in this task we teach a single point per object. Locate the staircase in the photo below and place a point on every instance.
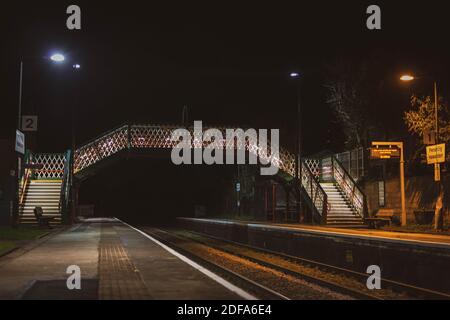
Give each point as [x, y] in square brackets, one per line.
[340, 212]
[41, 193]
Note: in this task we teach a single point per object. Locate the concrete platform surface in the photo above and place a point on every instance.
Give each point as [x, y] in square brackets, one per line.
[381, 235]
[116, 262]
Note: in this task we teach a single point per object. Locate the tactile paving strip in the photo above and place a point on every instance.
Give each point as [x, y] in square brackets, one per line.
[118, 276]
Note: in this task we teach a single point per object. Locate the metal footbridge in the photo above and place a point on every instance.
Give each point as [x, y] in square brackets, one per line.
[331, 193]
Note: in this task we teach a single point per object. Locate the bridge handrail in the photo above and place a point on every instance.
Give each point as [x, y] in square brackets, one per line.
[315, 191]
[25, 177]
[129, 136]
[353, 192]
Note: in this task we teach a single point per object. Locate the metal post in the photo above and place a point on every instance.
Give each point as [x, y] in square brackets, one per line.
[436, 118]
[19, 164]
[437, 166]
[238, 192]
[402, 184]
[19, 118]
[299, 150]
[286, 214]
[436, 112]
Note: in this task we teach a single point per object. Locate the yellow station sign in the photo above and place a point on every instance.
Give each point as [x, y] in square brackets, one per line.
[384, 152]
[436, 153]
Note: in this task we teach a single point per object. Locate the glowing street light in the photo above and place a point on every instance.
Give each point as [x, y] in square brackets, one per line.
[57, 57]
[407, 77]
[437, 167]
[295, 76]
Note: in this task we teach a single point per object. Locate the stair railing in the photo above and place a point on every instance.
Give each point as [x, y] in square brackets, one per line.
[25, 177]
[346, 183]
[315, 192]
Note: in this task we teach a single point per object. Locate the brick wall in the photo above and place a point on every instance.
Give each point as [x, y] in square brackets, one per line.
[421, 192]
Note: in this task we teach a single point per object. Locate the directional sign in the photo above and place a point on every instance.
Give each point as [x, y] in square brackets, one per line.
[29, 123]
[436, 153]
[384, 152]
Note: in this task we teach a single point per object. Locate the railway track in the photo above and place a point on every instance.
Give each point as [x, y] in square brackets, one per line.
[392, 289]
[176, 242]
[258, 290]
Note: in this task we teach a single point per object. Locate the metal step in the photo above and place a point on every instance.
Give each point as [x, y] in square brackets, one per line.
[44, 194]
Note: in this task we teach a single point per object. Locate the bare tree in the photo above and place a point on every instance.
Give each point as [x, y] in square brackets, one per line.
[351, 96]
[421, 117]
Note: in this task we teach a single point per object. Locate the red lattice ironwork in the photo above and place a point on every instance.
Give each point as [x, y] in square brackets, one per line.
[52, 165]
[314, 165]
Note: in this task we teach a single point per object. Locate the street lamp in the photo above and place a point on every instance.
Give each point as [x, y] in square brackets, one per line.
[298, 148]
[407, 77]
[57, 57]
[437, 167]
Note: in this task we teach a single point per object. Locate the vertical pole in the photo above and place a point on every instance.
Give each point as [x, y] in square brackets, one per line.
[16, 209]
[437, 166]
[238, 192]
[75, 198]
[299, 149]
[436, 112]
[274, 202]
[402, 184]
[286, 214]
[19, 118]
[266, 201]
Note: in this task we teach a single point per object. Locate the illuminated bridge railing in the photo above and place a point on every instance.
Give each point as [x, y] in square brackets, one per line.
[53, 165]
[159, 137]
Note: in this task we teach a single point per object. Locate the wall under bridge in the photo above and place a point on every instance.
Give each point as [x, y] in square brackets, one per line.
[417, 263]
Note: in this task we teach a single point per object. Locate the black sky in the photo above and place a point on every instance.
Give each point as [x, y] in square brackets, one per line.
[143, 60]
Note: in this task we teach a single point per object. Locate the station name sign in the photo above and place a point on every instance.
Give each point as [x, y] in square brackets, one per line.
[384, 151]
[436, 153]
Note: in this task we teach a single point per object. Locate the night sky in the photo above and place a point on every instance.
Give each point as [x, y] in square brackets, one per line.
[229, 62]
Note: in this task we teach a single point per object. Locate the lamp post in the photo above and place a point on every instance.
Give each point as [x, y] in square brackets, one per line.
[56, 58]
[298, 146]
[437, 167]
[408, 77]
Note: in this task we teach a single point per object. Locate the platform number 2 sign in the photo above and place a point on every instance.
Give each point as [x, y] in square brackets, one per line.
[29, 123]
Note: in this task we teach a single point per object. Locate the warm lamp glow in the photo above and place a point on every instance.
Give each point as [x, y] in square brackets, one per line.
[407, 77]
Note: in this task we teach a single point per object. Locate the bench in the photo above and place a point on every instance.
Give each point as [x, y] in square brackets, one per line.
[41, 220]
[383, 217]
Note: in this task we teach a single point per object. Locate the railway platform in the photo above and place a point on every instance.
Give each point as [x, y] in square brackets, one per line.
[116, 261]
[411, 258]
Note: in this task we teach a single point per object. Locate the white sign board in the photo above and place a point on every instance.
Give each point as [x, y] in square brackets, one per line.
[20, 142]
[29, 123]
[238, 187]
